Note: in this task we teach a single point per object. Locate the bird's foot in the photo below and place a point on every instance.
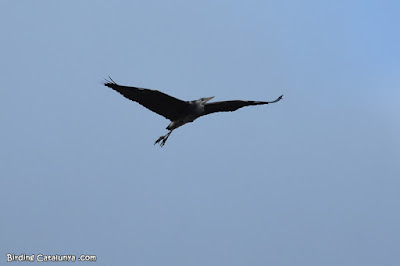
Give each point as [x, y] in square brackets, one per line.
[161, 140]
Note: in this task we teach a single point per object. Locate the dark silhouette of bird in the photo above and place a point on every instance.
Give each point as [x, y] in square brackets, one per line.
[178, 111]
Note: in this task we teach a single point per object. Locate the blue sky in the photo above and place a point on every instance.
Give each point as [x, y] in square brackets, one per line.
[311, 180]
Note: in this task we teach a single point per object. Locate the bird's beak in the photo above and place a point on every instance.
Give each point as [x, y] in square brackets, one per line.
[207, 99]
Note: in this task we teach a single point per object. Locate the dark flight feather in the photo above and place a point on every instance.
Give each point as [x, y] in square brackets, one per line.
[156, 101]
[230, 106]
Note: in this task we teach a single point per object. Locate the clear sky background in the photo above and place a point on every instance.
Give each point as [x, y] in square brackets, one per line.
[311, 180]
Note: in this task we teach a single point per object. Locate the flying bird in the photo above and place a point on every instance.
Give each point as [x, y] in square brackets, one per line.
[178, 111]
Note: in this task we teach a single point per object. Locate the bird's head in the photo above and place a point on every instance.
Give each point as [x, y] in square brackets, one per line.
[205, 100]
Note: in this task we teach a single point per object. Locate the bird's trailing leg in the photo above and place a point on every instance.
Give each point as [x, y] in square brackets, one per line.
[163, 139]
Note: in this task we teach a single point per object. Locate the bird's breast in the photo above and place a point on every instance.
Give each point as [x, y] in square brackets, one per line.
[177, 123]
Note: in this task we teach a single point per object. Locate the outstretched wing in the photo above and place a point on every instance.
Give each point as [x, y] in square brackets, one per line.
[156, 101]
[230, 106]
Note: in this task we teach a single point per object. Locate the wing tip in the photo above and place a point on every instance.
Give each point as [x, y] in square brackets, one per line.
[109, 82]
[278, 99]
[274, 101]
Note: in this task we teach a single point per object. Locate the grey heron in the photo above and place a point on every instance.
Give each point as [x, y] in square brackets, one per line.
[178, 111]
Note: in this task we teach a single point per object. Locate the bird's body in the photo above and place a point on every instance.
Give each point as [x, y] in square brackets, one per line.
[193, 110]
[178, 111]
